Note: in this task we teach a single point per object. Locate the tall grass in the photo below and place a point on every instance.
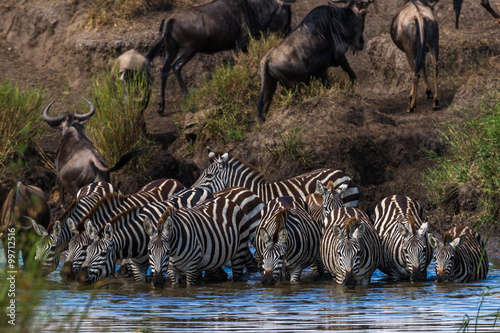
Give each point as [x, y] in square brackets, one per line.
[21, 121]
[472, 159]
[118, 126]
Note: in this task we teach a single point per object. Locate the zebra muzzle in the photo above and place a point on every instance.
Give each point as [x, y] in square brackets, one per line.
[268, 279]
[67, 271]
[417, 274]
[441, 276]
[158, 280]
[349, 279]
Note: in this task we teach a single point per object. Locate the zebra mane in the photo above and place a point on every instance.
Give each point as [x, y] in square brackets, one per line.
[168, 212]
[281, 219]
[63, 215]
[411, 222]
[350, 225]
[330, 186]
[115, 220]
[235, 160]
[80, 227]
[447, 238]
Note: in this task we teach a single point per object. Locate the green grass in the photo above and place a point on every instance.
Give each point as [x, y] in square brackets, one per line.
[471, 159]
[21, 121]
[292, 146]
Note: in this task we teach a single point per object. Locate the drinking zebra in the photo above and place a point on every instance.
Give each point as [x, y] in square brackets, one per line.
[57, 235]
[460, 257]
[226, 171]
[325, 200]
[202, 239]
[400, 224]
[105, 210]
[288, 240]
[350, 246]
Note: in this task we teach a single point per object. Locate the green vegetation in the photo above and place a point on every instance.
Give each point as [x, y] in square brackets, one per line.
[21, 121]
[471, 161]
[472, 324]
[292, 146]
[117, 126]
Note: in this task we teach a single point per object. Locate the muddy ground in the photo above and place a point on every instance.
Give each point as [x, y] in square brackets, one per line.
[366, 132]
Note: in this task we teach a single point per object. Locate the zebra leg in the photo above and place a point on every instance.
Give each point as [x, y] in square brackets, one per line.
[318, 270]
[251, 263]
[175, 275]
[125, 269]
[192, 275]
[295, 275]
[218, 275]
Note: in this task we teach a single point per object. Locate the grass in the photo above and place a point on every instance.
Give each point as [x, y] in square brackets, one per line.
[21, 121]
[471, 161]
[473, 324]
[292, 145]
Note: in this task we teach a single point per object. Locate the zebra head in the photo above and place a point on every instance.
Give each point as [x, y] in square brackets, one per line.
[347, 251]
[159, 246]
[414, 248]
[77, 251]
[101, 254]
[332, 197]
[445, 254]
[274, 253]
[48, 247]
[214, 177]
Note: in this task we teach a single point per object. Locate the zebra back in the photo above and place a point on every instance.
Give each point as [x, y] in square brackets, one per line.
[399, 221]
[299, 243]
[350, 246]
[227, 171]
[460, 256]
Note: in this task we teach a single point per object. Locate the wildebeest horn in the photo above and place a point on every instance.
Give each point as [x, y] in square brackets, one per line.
[86, 116]
[52, 121]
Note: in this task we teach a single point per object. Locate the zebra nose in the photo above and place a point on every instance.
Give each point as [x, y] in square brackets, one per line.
[441, 276]
[417, 274]
[268, 279]
[158, 281]
[83, 275]
[349, 279]
[66, 270]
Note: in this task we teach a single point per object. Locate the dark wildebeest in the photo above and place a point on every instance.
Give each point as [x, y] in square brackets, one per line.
[320, 41]
[78, 162]
[413, 30]
[22, 201]
[130, 66]
[457, 7]
[217, 26]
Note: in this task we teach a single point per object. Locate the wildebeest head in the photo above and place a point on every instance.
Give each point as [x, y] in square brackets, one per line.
[65, 121]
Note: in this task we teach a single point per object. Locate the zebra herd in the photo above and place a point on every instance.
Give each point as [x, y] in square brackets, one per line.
[311, 220]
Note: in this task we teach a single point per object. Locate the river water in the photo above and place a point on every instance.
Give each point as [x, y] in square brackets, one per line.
[122, 305]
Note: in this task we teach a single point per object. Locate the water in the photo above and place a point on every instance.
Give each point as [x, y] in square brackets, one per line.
[121, 305]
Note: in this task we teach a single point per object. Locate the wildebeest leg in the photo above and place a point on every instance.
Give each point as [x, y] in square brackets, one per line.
[345, 66]
[435, 54]
[413, 92]
[427, 88]
[184, 56]
[267, 91]
[167, 63]
[457, 7]
[487, 6]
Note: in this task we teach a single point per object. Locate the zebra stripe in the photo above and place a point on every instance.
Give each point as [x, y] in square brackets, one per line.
[288, 240]
[350, 247]
[399, 221]
[460, 257]
[204, 238]
[55, 239]
[325, 200]
[104, 211]
[226, 171]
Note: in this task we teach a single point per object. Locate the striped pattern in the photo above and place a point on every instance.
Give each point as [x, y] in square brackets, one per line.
[288, 240]
[158, 250]
[399, 222]
[104, 211]
[226, 171]
[350, 247]
[460, 257]
[55, 239]
[325, 200]
[204, 238]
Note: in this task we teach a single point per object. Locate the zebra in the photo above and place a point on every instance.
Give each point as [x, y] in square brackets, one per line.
[57, 235]
[203, 238]
[325, 200]
[399, 221]
[460, 257]
[288, 240]
[103, 211]
[350, 246]
[227, 171]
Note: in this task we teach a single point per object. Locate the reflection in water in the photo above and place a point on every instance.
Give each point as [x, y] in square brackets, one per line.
[126, 306]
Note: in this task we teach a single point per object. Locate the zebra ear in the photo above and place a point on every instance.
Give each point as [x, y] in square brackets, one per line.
[108, 231]
[148, 227]
[168, 226]
[57, 230]
[457, 242]
[433, 241]
[39, 229]
[264, 236]
[283, 235]
[422, 231]
[90, 230]
[337, 232]
[320, 188]
[403, 230]
[360, 230]
[72, 225]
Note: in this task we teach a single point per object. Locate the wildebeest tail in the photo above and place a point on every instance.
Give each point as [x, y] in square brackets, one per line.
[124, 159]
[421, 48]
[156, 50]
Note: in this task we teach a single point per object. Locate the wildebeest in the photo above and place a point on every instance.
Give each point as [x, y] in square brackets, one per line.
[320, 41]
[457, 7]
[22, 201]
[78, 162]
[132, 65]
[217, 26]
[413, 30]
